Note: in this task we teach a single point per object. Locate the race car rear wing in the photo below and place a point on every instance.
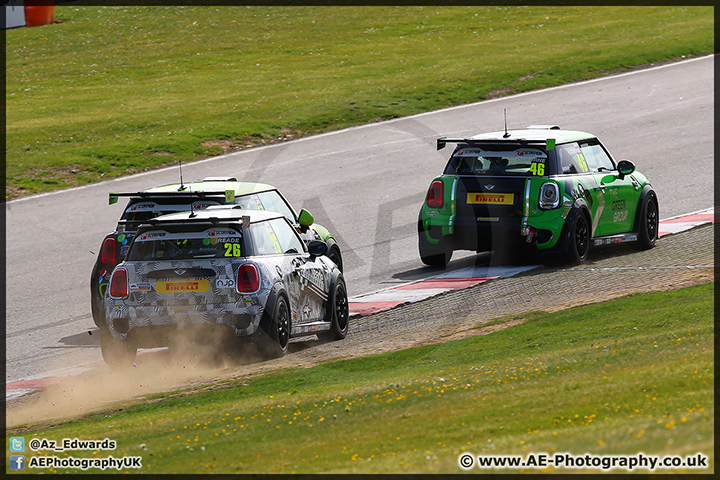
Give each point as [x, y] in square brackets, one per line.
[228, 194]
[214, 221]
[549, 144]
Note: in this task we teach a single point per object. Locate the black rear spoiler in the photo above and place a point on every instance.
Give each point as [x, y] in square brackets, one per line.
[548, 144]
[113, 196]
[154, 222]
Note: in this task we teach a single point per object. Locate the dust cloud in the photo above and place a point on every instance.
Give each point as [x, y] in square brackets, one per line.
[187, 364]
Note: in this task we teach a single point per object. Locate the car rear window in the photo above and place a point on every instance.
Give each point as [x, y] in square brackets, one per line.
[165, 245]
[481, 161]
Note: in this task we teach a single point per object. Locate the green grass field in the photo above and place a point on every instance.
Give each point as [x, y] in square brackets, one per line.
[115, 90]
[628, 376]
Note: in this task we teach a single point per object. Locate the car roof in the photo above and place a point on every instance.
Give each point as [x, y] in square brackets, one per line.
[535, 135]
[240, 188]
[223, 215]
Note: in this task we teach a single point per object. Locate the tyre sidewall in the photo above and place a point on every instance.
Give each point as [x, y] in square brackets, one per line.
[115, 352]
[338, 326]
[268, 341]
[574, 255]
[433, 255]
[647, 239]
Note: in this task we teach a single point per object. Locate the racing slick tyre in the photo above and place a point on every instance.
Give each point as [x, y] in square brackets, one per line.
[433, 255]
[338, 313]
[648, 229]
[579, 244]
[116, 353]
[435, 258]
[274, 337]
[334, 255]
[97, 314]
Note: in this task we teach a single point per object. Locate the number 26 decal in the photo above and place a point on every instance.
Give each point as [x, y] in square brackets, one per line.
[232, 250]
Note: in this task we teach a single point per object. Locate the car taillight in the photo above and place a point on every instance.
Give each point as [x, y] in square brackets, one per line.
[549, 196]
[248, 280]
[435, 194]
[108, 253]
[118, 283]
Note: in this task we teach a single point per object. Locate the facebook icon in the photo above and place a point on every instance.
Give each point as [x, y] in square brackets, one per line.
[17, 462]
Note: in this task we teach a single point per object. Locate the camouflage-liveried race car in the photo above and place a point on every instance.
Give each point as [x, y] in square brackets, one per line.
[245, 274]
[552, 190]
[194, 196]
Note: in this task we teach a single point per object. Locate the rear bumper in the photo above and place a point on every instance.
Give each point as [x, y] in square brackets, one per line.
[489, 233]
[147, 326]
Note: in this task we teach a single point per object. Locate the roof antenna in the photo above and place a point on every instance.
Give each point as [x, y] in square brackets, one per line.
[182, 187]
[506, 131]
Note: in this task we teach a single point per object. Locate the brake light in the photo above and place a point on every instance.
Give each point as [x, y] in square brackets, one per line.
[108, 252]
[435, 194]
[248, 280]
[549, 196]
[118, 283]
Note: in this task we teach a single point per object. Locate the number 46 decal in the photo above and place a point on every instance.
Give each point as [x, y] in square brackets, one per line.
[537, 168]
[232, 250]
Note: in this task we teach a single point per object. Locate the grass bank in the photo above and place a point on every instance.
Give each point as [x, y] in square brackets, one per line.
[626, 376]
[112, 91]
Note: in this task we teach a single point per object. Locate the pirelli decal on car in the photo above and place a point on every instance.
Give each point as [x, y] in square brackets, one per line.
[490, 198]
[182, 286]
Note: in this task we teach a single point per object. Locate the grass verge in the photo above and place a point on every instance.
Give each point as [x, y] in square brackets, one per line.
[625, 376]
[114, 90]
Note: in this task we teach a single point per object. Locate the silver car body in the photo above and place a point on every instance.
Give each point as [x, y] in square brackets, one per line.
[175, 293]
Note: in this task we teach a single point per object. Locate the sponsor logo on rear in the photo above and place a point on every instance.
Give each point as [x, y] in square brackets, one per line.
[225, 283]
[140, 287]
[183, 286]
[491, 198]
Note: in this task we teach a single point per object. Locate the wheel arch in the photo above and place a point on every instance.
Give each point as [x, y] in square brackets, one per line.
[334, 277]
[277, 291]
[580, 207]
[646, 191]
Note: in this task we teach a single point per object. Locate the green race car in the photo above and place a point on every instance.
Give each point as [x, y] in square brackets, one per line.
[543, 189]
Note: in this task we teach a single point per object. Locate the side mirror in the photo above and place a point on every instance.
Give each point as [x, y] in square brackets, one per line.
[305, 218]
[317, 248]
[625, 167]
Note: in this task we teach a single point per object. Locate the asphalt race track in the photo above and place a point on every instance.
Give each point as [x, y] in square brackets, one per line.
[366, 184]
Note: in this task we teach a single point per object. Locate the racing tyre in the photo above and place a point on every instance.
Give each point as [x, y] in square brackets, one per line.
[648, 233]
[433, 255]
[97, 318]
[116, 353]
[579, 244]
[439, 260]
[334, 255]
[338, 313]
[275, 335]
